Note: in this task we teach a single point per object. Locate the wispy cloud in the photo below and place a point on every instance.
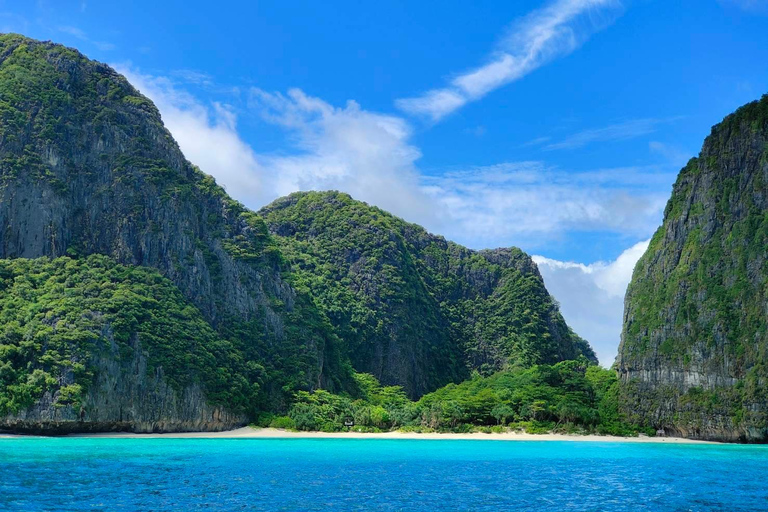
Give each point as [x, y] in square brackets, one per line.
[74, 31]
[477, 131]
[672, 155]
[751, 6]
[532, 41]
[592, 296]
[538, 141]
[371, 156]
[347, 148]
[530, 203]
[206, 133]
[82, 36]
[192, 76]
[620, 131]
[10, 22]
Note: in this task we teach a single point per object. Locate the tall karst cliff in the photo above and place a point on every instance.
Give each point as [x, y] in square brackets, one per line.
[136, 295]
[413, 308]
[86, 166]
[694, 352]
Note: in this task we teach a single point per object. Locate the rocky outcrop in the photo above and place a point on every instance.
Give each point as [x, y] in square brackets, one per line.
[694, 345]
[92, 169]
[125, 397]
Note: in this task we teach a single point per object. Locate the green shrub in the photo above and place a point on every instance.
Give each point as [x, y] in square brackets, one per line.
[569, 397]
[283, 422]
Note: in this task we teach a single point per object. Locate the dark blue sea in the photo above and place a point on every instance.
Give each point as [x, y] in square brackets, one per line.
[69, 474]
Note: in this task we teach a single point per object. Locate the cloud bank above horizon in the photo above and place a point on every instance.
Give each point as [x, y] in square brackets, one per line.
[592, 296]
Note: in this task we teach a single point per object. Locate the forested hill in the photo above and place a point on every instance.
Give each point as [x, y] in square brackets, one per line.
[87, 167]
[136, 295]
[413, 308]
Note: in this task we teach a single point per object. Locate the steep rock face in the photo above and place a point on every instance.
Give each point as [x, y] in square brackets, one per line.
[119, 345]
[86, 166]
[124, 397]
[135, 291]
[413, 308]
[694, 345]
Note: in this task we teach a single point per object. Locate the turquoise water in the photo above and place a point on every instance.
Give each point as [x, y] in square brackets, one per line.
[339, 474]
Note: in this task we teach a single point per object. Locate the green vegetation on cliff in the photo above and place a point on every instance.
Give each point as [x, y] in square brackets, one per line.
[694, 351]
[413, 308]
[57, 315]
[112, 244]
[87, 167]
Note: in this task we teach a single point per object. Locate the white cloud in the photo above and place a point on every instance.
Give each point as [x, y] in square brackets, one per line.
[363, 153]
[207, 135]
[674, 156]
[192, 76]
[529, 203]
[592, 296]
[539, 37]
[370, 156]
[435, 104]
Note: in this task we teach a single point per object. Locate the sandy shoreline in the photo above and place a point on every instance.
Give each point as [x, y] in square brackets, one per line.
[273, 433]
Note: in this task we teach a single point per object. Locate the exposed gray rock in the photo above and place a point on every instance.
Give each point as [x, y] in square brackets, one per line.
[125, 397]
[694, 351]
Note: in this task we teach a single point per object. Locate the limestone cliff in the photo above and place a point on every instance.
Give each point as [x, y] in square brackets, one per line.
[136, 295]
[414, 308]
[86, 166]
[694, 345]
[124, 397]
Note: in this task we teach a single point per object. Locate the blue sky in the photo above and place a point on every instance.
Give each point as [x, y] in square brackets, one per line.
[555, 126]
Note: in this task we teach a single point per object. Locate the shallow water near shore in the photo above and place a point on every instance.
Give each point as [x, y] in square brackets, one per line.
[376, 474]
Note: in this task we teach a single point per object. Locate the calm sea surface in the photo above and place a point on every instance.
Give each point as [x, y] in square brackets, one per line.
[332, 474]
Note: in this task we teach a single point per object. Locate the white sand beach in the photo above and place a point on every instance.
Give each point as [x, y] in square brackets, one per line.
[273, 433]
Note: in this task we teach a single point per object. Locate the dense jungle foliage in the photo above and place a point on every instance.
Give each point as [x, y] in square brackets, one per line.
[570, 396]
[55, 315]
[401, 297]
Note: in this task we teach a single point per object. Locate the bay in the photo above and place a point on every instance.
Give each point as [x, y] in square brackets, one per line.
[56, 474]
